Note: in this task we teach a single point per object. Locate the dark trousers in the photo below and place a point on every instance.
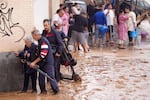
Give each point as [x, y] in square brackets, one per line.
[130, 38]
[49, 69]
[26, 81]
[90, 25]
[57, 68]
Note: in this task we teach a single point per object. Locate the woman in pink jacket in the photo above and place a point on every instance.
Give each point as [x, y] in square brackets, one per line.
[122, 29]
[65, 20]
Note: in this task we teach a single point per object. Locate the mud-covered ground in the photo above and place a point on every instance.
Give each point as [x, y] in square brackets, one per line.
[107, 74]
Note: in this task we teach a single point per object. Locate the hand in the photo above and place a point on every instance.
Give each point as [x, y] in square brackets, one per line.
[32, 65]
[65, 39]
[63, 24]
[28, 54]
[57, 55]
[22, 60]
[107, 12]
[16, 53]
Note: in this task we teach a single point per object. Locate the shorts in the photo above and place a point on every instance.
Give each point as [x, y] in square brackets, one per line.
[78, 37]
[110, 29]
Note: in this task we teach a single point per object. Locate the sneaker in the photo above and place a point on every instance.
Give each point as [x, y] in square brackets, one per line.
[44, 92]
[23, 91]
[56, 92]
[34, 91]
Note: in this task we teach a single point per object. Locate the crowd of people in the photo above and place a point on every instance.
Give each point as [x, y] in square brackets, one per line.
[105, 15]
[74, 27]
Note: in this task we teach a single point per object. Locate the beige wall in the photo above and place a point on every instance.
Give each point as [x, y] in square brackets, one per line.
[41, 11]
[54, 5]
[22, 13]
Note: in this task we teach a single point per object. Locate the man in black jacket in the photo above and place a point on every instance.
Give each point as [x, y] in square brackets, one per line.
[56, 42]
[45, 60]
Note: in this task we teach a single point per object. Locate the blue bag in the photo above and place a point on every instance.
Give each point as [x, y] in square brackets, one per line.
[103, 29]
[134, 34]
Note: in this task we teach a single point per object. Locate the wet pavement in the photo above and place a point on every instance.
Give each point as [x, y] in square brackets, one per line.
[107, 74]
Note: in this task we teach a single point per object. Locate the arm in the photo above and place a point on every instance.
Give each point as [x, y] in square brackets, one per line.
[55, 21]
[86, 25]
[105, 20]
[75, 10]
[106, 12]
[43, 53]
[125, 17]
[21, 54]
[134, 19]
[44, 33]
[59, 42]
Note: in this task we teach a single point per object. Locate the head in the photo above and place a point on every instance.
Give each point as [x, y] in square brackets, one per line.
[121, 11]
[127, 9]
[76, 5]
[61, 6]
[101, 6]
[66, 9]
[47, 25]
[36, 34]
[28, 41]
[109, 6]
[60, 12]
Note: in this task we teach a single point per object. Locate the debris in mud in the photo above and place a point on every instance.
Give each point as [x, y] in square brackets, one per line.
[138, 75]
[138, 48]
[123, 78]
[143, 75]
[141, 52]
[114, 51]
[144, 62]
[120, 84]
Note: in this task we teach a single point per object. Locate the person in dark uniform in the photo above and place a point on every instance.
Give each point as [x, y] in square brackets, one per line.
[56, 42]
[28, 54]
[46, 62]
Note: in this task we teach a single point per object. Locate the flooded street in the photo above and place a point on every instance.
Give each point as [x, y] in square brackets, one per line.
[107, 74]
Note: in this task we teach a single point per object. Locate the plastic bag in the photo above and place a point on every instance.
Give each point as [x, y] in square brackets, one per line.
[134, 34]
[103, 29]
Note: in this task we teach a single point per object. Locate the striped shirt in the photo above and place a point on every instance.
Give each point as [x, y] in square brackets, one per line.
[43, 48]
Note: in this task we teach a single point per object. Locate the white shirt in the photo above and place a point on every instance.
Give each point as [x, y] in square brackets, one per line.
[110, 16]
[57, 18]
[131, 23]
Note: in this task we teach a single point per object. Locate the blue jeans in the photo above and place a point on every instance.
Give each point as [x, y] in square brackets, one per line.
[98, 34]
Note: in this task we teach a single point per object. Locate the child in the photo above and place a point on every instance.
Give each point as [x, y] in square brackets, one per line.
[28, 54]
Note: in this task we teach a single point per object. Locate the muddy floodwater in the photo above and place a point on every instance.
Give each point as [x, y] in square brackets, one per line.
[107, 74]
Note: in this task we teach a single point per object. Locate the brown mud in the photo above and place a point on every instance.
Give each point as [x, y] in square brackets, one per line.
[107, 74]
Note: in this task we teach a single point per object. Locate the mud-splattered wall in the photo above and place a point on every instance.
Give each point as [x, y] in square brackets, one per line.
[16, 21]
